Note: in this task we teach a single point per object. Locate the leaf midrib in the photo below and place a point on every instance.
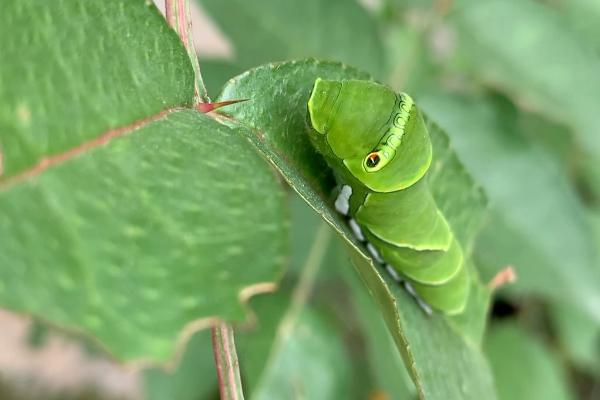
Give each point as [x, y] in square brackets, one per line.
[51, 161]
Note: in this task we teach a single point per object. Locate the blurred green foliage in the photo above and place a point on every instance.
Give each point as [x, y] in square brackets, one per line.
[516, 85]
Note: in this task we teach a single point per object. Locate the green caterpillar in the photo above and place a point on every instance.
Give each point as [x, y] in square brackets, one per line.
[378, 146]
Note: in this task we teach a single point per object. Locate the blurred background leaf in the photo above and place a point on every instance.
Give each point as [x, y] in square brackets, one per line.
[263, 31]
[542, 62]
[579, 337]
[524, 368]
[194, 378]
[291, 353]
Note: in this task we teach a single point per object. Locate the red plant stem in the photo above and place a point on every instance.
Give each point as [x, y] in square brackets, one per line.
[230, 384]
[226, 361]
[179, 18]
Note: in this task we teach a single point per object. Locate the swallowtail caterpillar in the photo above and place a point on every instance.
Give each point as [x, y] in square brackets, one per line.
[378, 146]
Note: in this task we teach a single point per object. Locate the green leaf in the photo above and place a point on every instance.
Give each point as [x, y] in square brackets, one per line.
[277, 112]
[273, 30]
[538, 225]
[196, 377]
[460, 370]
[582, 16]
[542, 61]
[523, 367]
[333, 296]
[385, 361]
[275, 91]
[143, 235]
[121, 63]
[123, 216]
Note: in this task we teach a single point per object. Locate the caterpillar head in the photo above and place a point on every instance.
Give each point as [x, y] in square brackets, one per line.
[376, 135]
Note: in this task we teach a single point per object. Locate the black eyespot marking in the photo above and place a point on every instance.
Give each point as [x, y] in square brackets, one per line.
[372, 160]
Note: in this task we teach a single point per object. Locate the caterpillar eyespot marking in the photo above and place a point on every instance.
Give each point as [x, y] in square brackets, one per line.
[377, 143]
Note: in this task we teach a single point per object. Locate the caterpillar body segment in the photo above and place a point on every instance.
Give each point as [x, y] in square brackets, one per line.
[377, 143]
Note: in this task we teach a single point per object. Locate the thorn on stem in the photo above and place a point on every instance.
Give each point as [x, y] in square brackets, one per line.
[208, 107]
